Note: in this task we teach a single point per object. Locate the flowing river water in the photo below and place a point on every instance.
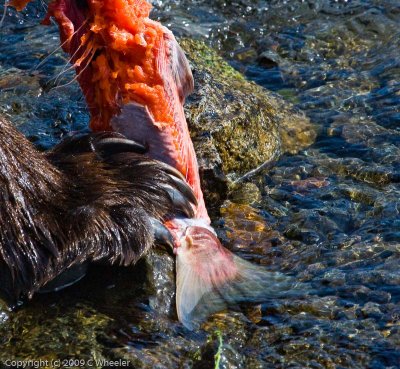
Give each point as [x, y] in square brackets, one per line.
[328, 215]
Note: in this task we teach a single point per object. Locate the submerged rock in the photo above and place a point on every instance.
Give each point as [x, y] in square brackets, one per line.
[236, 125]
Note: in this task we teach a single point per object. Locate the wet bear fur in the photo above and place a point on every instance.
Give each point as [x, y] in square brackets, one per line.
[90, 198]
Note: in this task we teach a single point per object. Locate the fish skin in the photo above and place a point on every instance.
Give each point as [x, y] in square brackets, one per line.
[178, 81]
[209, 277]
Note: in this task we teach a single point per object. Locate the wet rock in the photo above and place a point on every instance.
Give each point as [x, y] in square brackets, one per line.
[245, 229]
[67, 335]
[245, 193]
[236, 125]
[160, 270]
[4, 317]
[371, 310]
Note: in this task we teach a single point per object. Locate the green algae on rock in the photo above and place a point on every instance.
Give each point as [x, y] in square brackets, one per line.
[236, 125]
[48, 334]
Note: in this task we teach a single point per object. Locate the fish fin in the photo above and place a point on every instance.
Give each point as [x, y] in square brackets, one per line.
[211, 278]
[180, 67]
[132, 120]
[137, 123]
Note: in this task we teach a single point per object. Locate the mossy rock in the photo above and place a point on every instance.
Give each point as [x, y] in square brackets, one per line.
[236, 125]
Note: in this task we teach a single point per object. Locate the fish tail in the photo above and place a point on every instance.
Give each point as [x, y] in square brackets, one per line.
[211, 278]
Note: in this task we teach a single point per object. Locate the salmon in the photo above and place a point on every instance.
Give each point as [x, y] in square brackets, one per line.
[135, 78]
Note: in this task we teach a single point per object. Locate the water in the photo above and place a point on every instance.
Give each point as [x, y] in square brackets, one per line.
[328, 215]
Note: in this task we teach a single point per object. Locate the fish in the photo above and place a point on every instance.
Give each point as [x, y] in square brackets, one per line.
[135, 78]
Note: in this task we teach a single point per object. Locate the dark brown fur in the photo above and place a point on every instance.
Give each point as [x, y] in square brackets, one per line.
[72, 205]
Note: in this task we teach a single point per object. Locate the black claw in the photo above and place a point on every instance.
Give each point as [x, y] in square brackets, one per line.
[71, 276]
[162, 235]
[116, 145]
[106, 143]
[185, 189]
[171, 170]
[180, 202]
